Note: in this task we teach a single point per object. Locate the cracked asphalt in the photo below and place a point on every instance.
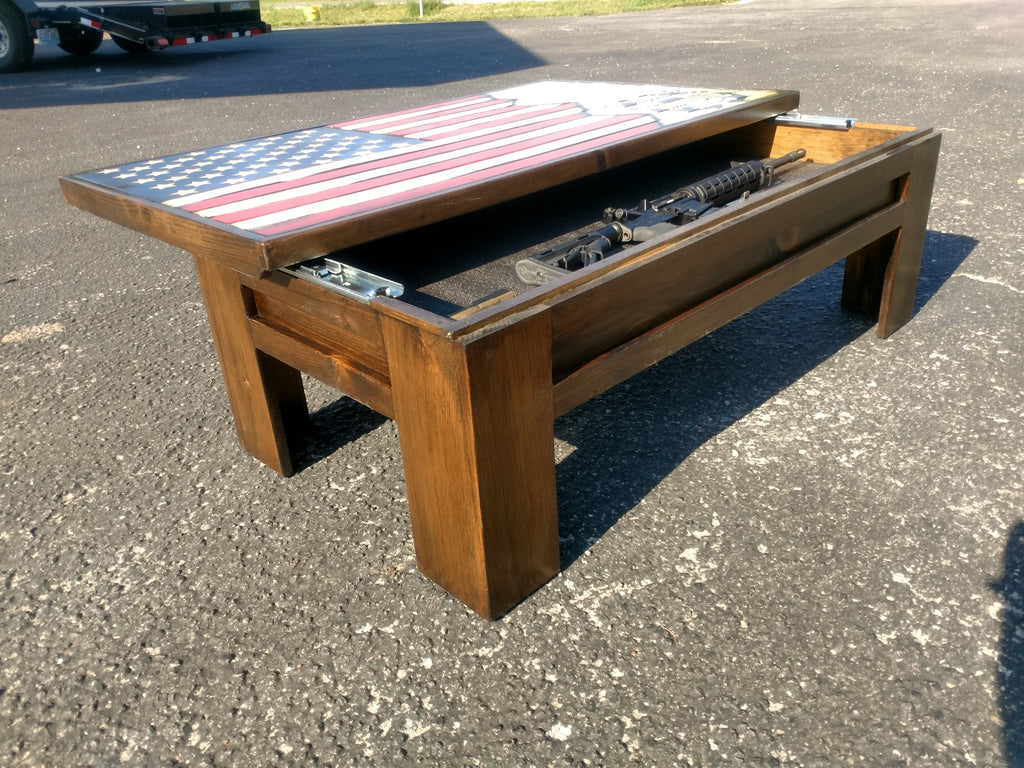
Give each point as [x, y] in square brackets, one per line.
[789, 544]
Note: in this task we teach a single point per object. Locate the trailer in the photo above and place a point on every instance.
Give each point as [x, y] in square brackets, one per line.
[136, 27]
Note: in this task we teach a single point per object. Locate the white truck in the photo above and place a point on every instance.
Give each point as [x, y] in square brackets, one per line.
[136, 27]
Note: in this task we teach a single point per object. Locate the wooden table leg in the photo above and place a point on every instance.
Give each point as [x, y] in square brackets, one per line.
[476, 423]
[864, 276]
[266, 396]
[882, 277]
[897, 305]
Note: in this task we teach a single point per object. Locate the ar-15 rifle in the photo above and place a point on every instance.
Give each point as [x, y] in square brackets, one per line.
[653, 217]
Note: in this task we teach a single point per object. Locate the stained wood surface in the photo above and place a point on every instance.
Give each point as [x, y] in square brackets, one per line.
[648, 348]
[900, 287]
[685, 271]
[888, 142]
[266, 395]
[475, 394]
[864, 274]
[350, 327]
[476, 425]
[421, 166]
[824, 146]
[244, 255]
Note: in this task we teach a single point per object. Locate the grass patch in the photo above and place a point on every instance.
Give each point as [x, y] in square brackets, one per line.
[430, 7]
[333, 13]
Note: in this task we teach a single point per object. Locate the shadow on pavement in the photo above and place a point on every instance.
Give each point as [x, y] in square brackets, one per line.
[632, 437]
[942, 255]
[1011, 647]
[331, 427]
[289, 61]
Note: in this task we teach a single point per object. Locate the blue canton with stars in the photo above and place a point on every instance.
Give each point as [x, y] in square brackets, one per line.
[167, 178]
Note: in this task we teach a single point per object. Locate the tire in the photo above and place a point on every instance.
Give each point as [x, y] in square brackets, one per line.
[16, 46]
[79, 40]
[129, 45]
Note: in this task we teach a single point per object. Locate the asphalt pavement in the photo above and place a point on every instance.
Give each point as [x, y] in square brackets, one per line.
[790, 544]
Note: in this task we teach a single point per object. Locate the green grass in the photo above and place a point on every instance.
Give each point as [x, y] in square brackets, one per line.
[364, 12]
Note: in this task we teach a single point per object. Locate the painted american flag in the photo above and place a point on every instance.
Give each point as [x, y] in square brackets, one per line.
[278, 184]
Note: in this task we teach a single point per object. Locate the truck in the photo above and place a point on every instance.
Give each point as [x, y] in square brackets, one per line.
[136, 27]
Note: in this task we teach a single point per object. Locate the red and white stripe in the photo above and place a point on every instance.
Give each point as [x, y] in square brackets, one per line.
[192, 40]
[462, 142]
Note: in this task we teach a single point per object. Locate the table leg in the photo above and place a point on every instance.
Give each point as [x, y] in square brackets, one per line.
[266, 396]
[476, 424]
[900, 287]
[864, 275]
[883, 276]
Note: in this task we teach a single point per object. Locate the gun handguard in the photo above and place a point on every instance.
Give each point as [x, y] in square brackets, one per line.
[653, 217]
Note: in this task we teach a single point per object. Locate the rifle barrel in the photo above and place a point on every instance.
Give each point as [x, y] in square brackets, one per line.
[792, 157]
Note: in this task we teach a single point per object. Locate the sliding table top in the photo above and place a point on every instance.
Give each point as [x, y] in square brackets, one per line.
[264, 203]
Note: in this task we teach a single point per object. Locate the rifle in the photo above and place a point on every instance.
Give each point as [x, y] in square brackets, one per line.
[653, 217]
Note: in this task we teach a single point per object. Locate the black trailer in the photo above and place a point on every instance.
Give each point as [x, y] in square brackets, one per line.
[136, 27]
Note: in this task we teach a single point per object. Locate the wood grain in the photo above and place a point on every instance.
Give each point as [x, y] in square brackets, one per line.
[864, 274]
[682, 270]
[253, 254]
[331, 366]
[855, 150]
[384, 221]
[266, 395]
[234, 249]
[650, 347]
[475, 395]
[346, 326]
[476, 425]
[900, 286]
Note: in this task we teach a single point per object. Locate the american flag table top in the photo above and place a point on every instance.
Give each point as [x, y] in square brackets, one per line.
[270, 187]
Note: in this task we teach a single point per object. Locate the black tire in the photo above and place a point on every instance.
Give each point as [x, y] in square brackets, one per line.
[129, 45]
[79, 40]
[16, 46]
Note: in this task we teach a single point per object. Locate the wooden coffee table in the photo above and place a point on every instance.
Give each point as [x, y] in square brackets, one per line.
[475, 390]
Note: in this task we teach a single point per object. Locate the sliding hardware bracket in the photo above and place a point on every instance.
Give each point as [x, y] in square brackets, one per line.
[816, 121]
[341, 278]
